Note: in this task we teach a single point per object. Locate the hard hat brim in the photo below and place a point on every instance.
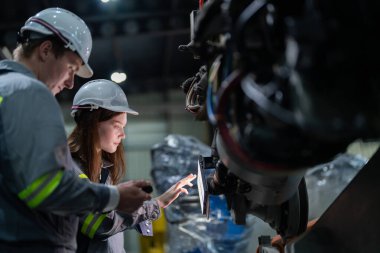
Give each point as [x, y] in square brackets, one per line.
[85, 71]
[120, 109]
[132, 112]
[114, 109]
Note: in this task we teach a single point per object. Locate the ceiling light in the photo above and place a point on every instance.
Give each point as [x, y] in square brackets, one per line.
[107, 1]
[118, 77]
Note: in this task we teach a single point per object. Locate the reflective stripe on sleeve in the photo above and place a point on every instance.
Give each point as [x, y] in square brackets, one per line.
[96, 225]
[1, 99]
[83, 175]
[91, 224]
[40, 189]
[86, 223]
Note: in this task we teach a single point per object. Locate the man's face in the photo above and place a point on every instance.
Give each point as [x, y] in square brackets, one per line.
[61, 71]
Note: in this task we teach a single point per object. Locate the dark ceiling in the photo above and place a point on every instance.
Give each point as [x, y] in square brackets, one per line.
[140, 37]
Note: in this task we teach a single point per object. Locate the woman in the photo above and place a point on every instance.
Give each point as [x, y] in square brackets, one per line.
[100, 110]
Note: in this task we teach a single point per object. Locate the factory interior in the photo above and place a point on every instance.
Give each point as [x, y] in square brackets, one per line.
[274, 105]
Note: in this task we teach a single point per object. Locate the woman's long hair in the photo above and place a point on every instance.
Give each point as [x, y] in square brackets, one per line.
[84, 142]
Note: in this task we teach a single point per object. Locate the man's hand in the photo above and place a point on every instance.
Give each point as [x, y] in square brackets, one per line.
[132, 196]
[173, 192]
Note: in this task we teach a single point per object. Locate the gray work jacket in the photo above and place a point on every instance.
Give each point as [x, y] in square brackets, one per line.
[102, 233]
[39, 191]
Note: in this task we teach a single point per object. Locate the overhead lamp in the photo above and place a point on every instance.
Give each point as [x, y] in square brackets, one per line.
[107, 1]
[118, 77]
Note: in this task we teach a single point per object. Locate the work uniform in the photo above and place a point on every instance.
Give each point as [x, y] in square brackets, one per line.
[102, 233]
[39, 190]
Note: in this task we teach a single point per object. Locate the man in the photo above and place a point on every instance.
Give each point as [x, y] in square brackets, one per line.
[39, 192]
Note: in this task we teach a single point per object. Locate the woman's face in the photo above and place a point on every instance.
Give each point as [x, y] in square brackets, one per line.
[111, 132]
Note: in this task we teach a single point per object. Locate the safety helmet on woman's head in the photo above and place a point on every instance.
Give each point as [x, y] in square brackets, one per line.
[101, 93]
[70, 28]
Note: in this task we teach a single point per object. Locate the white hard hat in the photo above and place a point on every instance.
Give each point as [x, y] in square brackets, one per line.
[70, 28]
[101, 93]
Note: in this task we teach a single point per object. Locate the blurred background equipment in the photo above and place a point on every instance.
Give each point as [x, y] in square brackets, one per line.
[5, 53]
[188, 231]
[351, 222]
[326, 181]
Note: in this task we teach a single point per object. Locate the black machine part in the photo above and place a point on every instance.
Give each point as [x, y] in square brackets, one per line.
[147, 189]
[289, 217]
[351, 223]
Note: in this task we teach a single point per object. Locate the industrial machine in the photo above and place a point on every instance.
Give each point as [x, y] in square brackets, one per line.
[287, 85]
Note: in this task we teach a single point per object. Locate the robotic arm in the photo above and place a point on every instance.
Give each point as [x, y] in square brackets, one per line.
[290, 84]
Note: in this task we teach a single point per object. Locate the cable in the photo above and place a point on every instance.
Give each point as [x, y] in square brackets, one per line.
[232, 82]
[200, 4]
[213, 86]
[210, 106]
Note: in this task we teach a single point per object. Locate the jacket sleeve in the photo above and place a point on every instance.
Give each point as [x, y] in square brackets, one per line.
[102, 226]
[37, 160]
[152, 211]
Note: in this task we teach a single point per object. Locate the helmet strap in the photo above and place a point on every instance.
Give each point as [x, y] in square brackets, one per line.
[90, 106]
[57, 33]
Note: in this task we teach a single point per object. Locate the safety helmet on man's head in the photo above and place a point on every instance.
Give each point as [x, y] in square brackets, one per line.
[70, 28]
[101, 93]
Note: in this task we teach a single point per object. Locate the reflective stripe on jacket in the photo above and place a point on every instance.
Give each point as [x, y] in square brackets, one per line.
[102, 233]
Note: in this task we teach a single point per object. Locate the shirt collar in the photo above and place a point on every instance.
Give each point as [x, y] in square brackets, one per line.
[16, 67]
[106, 164]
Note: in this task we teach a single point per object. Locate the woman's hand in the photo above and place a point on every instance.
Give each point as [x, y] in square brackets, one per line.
[173, 192]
